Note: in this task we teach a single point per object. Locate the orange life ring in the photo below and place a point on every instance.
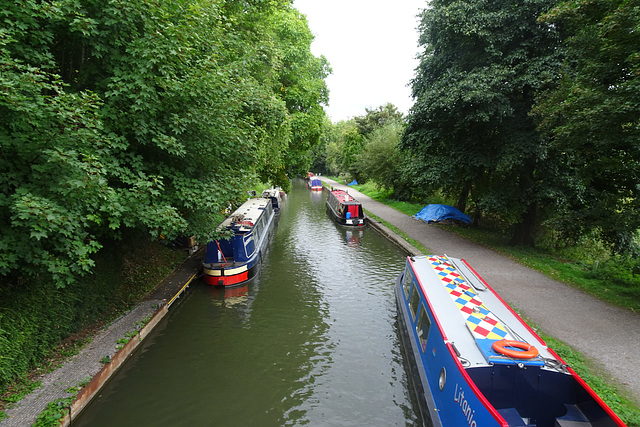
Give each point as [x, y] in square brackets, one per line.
[529, 351]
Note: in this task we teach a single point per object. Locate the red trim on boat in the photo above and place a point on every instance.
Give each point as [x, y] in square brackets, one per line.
[226, 280]
[475, 388]
[597, 398]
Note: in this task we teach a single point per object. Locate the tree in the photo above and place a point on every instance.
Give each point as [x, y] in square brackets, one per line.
[380, 157]
[377, 118]
[591, 113]
[469, 131]
[300, 84]
[53, 183]
[147, 116]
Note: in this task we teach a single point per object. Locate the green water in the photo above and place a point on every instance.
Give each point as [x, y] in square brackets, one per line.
[312, 340]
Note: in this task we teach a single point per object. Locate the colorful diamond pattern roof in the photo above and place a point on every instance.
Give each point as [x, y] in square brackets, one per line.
[482, 322]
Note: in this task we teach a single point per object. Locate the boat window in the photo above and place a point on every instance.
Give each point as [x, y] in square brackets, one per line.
[422, 328]
[414, 302]
[406, 284]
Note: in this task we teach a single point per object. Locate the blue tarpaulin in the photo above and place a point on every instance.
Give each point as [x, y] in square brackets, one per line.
[437, 213]
[354, 182]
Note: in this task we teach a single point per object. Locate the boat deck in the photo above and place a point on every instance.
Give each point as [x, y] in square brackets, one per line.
[344, 197]
[247, 215]
[471, 315]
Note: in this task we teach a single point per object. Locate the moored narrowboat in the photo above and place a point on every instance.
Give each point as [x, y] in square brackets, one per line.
[474, 362]
[345, 209]
[275, 195]
[315, 184]
[230, 262]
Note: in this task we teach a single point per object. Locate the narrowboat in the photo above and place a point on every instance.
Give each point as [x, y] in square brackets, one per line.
[315, 184]
[275, 195]
[474, 362]
[345, 209]
[230, 262]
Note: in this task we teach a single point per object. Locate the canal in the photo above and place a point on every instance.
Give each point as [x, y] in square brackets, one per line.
[311, 340]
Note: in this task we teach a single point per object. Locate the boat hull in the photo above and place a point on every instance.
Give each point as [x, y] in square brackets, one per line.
[228, 277]
[417, 378]
[347, 222]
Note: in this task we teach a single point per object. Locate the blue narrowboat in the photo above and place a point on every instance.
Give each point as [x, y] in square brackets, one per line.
[315, 184]
[474, 362]
[230, 262]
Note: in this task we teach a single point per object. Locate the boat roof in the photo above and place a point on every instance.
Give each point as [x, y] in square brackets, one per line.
[271, 192]
[344, 197]
[244, 218]
[470, 314]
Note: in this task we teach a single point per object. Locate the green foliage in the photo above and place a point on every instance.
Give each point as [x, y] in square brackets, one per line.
[591, 113]
[339, 151]
[53, 413]
[380, 157]
[469, 133]
[345, 145]
[146, 116]
[21, 387]
[36, 316]
[57, 409]
[380, 117]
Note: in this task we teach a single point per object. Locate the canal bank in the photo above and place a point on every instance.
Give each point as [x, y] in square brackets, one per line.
[608, 335]
[87, 368]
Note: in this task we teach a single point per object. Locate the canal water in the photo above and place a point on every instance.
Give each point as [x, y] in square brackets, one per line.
[312, 340]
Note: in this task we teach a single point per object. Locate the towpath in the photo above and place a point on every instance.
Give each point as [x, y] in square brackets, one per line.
[608, 335]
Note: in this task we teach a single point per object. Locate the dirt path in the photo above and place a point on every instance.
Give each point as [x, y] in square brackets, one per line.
[608, 335]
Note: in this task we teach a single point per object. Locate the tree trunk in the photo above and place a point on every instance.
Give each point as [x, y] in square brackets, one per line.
[525, 229]
[462, 198]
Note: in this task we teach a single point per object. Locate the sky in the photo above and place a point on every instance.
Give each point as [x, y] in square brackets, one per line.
[371, 46]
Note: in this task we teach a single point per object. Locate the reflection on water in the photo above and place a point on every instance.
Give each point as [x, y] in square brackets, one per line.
[310, 341]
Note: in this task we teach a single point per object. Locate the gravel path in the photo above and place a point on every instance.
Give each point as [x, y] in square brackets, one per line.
[608, 335]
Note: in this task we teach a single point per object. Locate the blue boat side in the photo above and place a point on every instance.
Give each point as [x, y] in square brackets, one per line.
[233, 261]
[449, 320]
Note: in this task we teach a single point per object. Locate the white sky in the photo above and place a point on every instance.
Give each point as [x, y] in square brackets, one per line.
[371, 46]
